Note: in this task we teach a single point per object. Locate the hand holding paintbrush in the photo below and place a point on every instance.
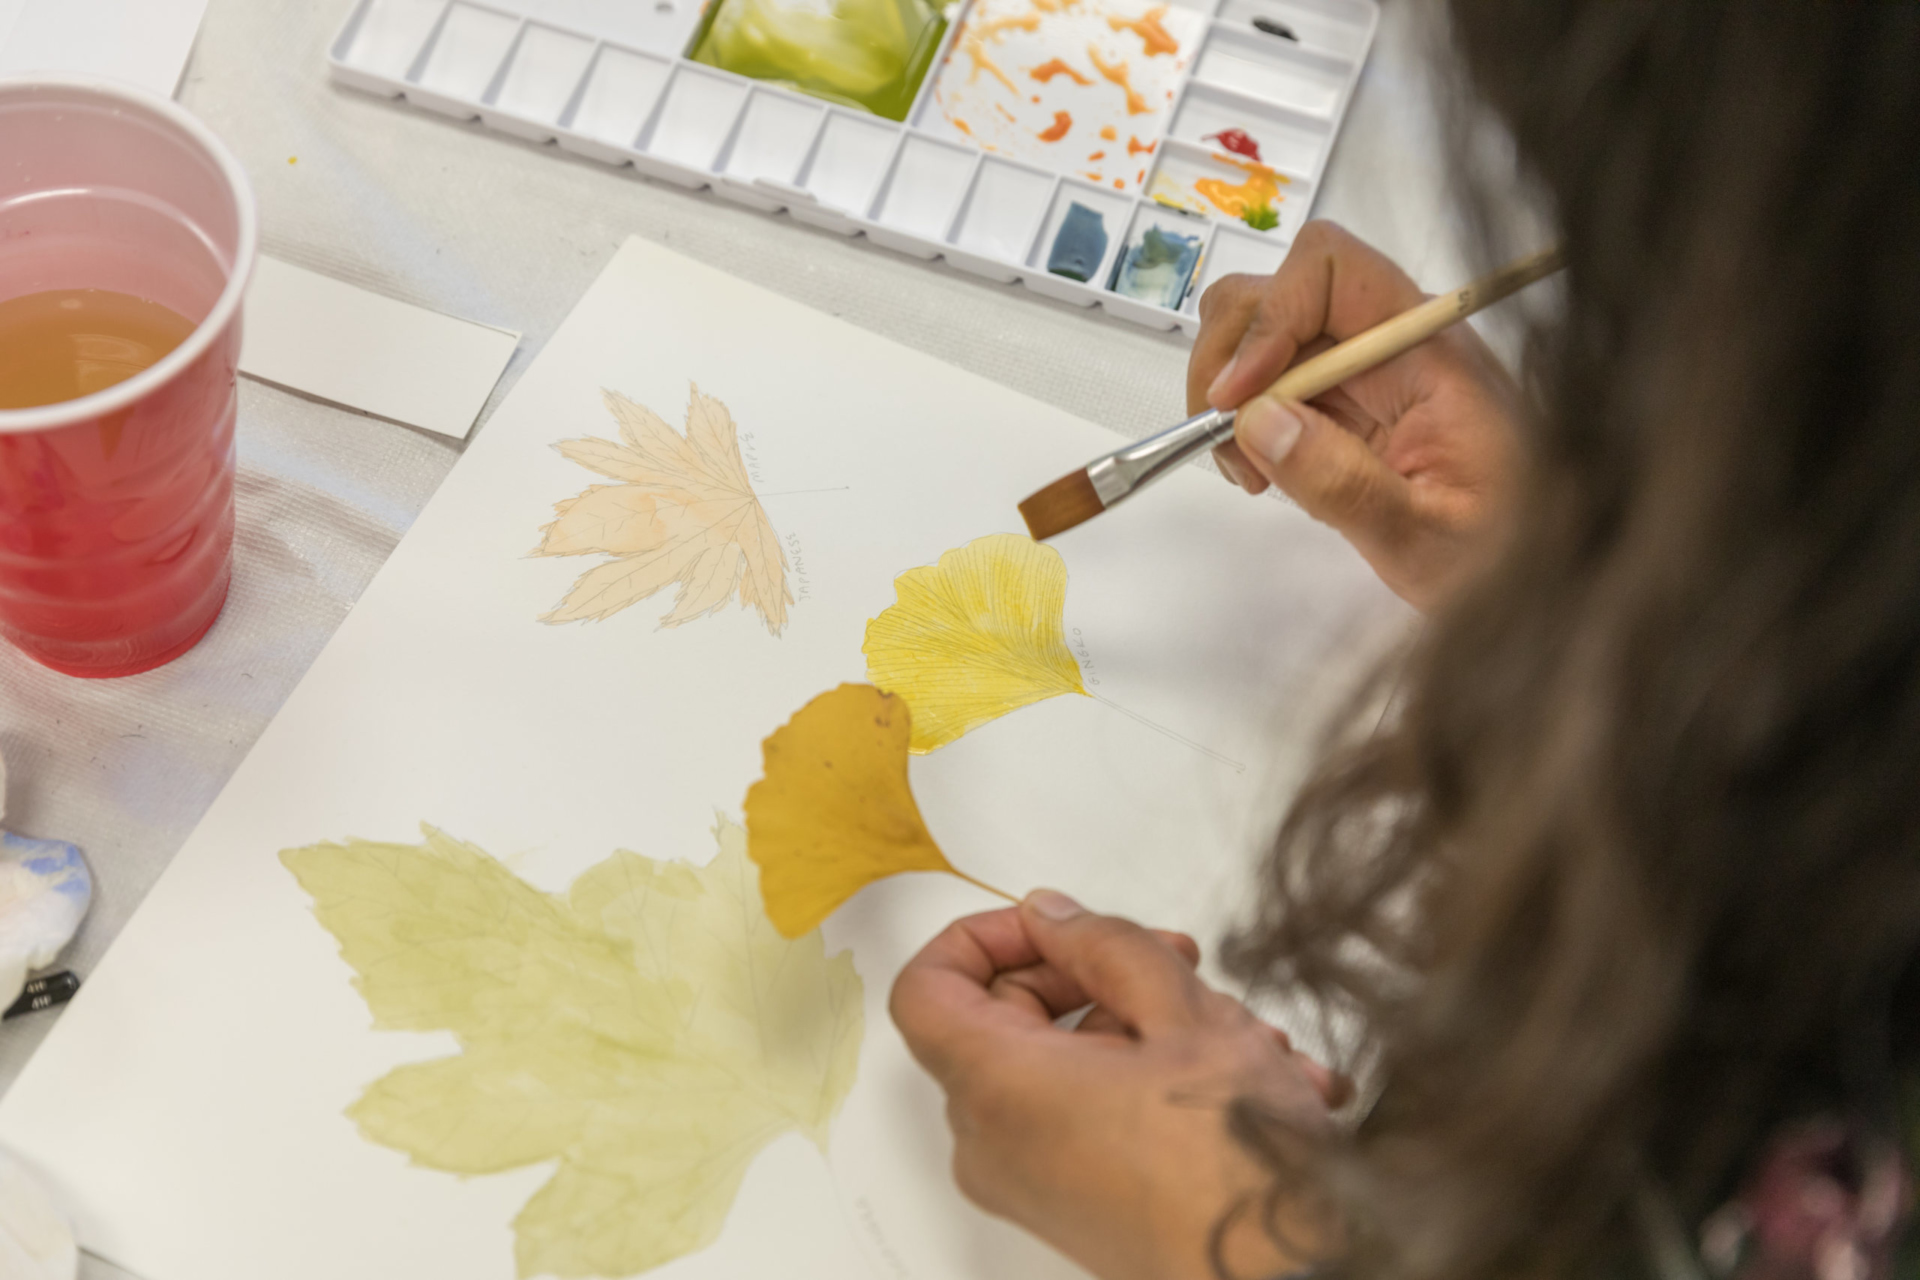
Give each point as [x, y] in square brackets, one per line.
[1400, 459]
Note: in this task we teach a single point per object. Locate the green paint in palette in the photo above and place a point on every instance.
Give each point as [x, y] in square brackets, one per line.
[868, 54]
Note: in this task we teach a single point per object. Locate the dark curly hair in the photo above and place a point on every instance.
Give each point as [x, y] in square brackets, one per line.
[1632, 873]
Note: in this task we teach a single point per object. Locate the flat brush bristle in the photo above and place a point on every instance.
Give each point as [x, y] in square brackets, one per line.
[1068, 501]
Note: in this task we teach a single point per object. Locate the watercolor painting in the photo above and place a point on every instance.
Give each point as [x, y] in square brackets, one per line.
[867, 54]
[1081, 87]
[647, 1031]
[834, 810]
[980, 634]
[975, 636]
[683, 512]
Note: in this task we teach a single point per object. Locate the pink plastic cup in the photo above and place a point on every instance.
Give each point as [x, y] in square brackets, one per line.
[116, 509]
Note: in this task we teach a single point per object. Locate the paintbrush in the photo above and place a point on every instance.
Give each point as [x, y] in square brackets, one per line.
[1074, 499]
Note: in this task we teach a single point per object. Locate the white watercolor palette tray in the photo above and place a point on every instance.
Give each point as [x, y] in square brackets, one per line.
[1251, 109]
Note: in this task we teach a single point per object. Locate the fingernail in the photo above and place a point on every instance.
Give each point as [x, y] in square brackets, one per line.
[1220, 380]
[1269, 428]
[1054, 906]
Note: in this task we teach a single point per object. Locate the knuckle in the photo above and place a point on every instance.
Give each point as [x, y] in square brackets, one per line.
[1114, 957]
[1270, 316]
[1321, 235]
[1223, 293]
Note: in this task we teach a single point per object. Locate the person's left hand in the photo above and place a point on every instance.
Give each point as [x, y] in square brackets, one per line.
[1110, 1142]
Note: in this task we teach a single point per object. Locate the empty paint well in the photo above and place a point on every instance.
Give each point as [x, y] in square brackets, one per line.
[1274, 69]
[391, 34]
[923, 192]
[1237, 251]
[1003, 210]
[849, 161]
[546, 66]
[773, 138]
[696, 117]
[471, 45]
[619, 96]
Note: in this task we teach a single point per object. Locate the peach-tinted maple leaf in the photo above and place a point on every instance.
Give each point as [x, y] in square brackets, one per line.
[683, 512]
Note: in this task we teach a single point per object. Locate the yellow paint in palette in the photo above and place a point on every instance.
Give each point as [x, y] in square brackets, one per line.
[1254, 199]
[870, 54]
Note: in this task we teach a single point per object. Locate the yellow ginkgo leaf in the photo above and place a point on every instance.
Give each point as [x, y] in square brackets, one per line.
[974, 637]
[835, 812]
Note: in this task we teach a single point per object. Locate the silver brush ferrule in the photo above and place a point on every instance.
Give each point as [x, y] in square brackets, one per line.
[1125, 471]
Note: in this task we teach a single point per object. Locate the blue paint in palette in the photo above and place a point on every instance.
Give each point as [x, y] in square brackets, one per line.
[1080, 246]
[1158, 268]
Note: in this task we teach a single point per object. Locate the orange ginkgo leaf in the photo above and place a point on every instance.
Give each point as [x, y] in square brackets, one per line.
[684, 512]
[834, 811]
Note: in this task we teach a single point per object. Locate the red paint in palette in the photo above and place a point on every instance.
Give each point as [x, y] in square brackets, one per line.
[1238, 141]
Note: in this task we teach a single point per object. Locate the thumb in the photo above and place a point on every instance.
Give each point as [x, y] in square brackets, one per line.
[1325, 468]
[1127, 970]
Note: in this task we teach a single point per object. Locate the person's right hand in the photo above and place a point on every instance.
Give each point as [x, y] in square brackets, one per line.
[1412, 461]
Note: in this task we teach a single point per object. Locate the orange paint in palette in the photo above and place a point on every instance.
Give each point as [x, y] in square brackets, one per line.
[1121, 74]
[1135, 147]
[976, 50]
[1254, 200]
[1072, 56]
[1147, 27]
[1058, 67]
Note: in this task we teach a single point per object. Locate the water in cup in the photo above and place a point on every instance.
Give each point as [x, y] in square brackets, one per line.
[62, 344]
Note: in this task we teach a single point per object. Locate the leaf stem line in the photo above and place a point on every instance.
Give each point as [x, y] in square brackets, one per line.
[782, 493]
[982, 884]
[1228, 761]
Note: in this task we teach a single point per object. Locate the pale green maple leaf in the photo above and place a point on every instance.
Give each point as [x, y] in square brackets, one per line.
[648, 1029]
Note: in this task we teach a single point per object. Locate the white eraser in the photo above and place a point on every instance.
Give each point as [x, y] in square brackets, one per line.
[339, 342]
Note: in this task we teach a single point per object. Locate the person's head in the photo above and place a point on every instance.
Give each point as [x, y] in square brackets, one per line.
[1634, 871]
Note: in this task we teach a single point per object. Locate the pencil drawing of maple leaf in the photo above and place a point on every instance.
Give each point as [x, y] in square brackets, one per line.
[645, 1033]
[684, 511]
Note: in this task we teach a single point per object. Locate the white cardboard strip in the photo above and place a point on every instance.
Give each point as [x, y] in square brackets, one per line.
[338, 342]
[143, 42]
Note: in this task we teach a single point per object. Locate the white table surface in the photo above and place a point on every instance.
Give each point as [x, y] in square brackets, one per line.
[457, 218]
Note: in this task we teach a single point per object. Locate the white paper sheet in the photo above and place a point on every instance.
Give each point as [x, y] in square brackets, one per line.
[330, 339]
[188, 1108]
[145, 42]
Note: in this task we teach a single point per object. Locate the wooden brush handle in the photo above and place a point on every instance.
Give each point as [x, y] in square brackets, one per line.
[1409, 329]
